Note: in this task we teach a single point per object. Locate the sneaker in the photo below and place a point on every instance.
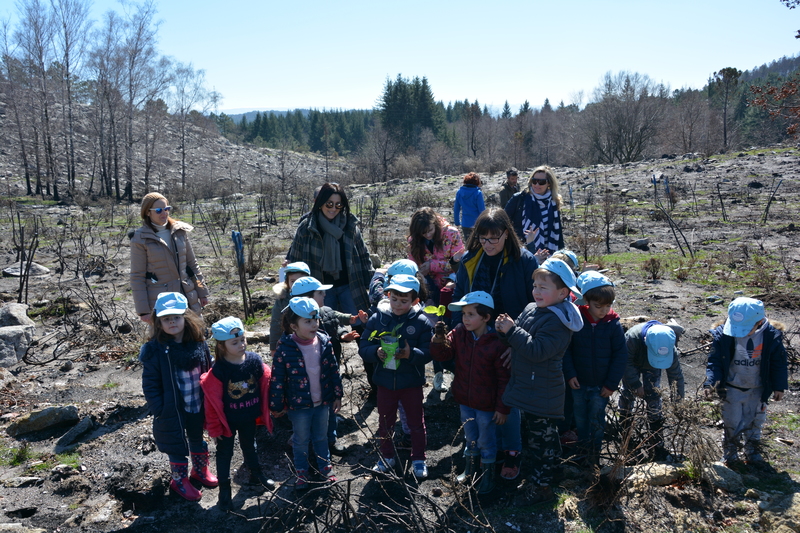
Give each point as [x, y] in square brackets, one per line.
[384, 465]
[511, 466]
[569, 437]
[328, 474]
[301, 482]
[420, 469]
[404, 442]
[438, 382]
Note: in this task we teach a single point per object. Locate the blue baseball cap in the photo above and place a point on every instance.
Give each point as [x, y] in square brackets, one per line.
[171, 303]
[563, 271]
[304, 307]
[660, 341]
[308, 284]
[591, 279]
[298, 266]
[222, 330]
[403, 283]
[477, 297]
[572, 257]
[743, 314]
[403, 266]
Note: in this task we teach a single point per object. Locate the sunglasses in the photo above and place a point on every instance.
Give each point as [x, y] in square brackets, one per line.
[160, 210]
[491, 240]
[331, 205]
[537, 181]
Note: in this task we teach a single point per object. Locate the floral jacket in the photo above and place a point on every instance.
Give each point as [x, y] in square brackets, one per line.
[440, 257]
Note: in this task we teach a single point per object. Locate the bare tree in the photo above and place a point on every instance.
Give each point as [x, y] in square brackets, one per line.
[11, 85]
[188, 91]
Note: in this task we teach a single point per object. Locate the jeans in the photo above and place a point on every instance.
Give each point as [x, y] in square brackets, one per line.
[193, 426]
[651, 381]
[388, 400]
[479, 432]
[589, 409]
[333, 425]
[310, 425]
[509, 435]
[247, 441]
[743, 415]
[341, 299]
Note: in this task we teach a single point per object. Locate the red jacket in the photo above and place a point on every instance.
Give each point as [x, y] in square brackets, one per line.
[481, 377]
[216, 422]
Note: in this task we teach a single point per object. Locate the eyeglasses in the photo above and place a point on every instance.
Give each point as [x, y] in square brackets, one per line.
[160, 210]
[539, 182]
[491, 240]
[331, 205]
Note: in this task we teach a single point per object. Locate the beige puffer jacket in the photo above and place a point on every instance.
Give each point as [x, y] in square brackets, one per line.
[151, 255]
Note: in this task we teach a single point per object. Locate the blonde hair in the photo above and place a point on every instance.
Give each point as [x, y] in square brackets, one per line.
[147, 204]
[552, 182]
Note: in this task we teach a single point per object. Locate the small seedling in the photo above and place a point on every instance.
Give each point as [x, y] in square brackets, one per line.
[433, 310]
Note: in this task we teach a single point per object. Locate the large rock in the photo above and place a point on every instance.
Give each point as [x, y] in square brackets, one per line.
[71, 436]
[14, 343]
[36, 270]
[657, 474]
[720, 476]
[13, 314]
[44, 419]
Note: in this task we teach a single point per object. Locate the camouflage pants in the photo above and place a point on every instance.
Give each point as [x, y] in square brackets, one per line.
[545, 448]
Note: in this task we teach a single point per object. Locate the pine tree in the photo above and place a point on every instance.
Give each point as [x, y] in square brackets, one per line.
[506, 111]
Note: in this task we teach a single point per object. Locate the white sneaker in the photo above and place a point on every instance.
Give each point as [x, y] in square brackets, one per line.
[438, 382]
[384, 465]
[420, 469]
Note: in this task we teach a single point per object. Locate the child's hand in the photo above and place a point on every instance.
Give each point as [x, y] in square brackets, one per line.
[439, 332]
[277, 414]
[363, 316]
[425, 268]
[639, 392]
[404, 352]
[505, 358]
[541, 255]
[605, 392]
[504, 323]
[573, 384]
[337, 405]
[777, 395]
[381, 355]
[499, 418]
[530, 234]
[350, 336]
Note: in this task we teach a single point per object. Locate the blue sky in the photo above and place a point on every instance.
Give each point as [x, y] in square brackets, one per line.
[320, 54]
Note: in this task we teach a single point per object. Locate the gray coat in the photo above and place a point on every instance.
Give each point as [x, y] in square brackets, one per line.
[638, 362]
[538, 341]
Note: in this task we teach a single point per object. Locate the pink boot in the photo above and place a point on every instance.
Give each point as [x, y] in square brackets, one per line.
[200, 471]
[180, 483]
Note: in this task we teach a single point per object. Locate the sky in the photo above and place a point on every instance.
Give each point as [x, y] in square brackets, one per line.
[267, 54]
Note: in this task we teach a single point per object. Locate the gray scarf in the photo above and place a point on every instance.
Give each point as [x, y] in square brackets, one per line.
[332, 232]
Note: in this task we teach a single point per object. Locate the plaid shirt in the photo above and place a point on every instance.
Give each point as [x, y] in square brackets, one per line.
[189, 386]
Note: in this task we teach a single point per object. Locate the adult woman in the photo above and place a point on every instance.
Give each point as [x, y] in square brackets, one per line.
[435, 246]
[469, 203]
[329, 242]
[536, 214]
[162, 259]
[497, 263]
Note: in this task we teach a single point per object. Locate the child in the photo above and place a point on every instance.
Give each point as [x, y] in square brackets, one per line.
[746, 365]
[539, 338]
[172, 361]
[400, 376]
[595, 361]
[651, 349]
[292, 272]
[468, 204]
[480, 381]
[305, 383]
[236, 391]
[332, 323]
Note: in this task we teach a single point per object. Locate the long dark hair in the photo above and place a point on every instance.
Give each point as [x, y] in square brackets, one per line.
[420, 222]
[494, 221]
[328, 190]
[194, 329]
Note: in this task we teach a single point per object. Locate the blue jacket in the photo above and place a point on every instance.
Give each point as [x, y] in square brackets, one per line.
[468, 205]
[597, 354]
[163, 396]
[289, 388]
[774, 371]
[412, 328]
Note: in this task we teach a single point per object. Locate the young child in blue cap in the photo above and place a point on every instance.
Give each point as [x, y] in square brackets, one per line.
[306, 385]
[291, 272]
[538, 340]
[746, 365]
[236, 393]
[595, 361]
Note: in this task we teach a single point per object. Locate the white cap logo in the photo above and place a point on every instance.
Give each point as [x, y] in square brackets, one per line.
[737, 316]
[663, 350]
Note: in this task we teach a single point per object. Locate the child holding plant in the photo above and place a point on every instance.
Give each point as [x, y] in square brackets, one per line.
[397, 342]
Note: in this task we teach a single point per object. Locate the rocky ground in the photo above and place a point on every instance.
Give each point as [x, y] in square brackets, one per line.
[112, 477]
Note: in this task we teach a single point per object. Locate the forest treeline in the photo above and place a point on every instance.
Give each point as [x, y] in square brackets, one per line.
[93, 107]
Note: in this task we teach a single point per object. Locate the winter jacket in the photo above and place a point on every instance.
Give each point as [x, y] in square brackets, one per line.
[638, 361]
[281, 301]
[468, 205]
[216, 421]
[307, 247]
[289, 388]
[334, 322]
[514, 285]
[164, 398]
[440, 257]
[412, 328]
[156, 269]
[507, 192]
[481, 377]
[538, 341]
[597, 355]
[514, 209]
[773, 371]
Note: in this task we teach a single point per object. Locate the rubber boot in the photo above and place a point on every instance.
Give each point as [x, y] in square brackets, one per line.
[486, 484]
[224, 499]
[200, 470]
[469, 470]
[258, 477]
[180, 483]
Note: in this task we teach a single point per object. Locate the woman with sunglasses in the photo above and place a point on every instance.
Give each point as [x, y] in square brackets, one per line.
[162, 259]
[329, 242]
[497, 263]
[535, 213]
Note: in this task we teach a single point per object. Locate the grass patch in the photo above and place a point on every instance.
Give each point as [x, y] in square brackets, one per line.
[110, 385]
[790, 421]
